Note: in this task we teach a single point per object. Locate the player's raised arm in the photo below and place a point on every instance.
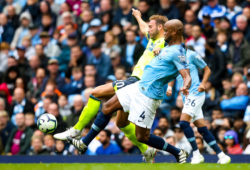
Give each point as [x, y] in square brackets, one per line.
[142, 24]
[206, 75]
[186, 81]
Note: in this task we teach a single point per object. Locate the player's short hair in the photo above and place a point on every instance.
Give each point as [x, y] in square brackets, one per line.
[160, 19]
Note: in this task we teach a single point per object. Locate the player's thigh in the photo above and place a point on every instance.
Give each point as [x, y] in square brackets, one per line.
[111, 106]
[142, 134]
[122, 119]
[199, 123]
[185, 117]
[105, 91]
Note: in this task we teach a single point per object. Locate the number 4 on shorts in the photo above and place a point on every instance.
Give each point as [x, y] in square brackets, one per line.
[142, 115]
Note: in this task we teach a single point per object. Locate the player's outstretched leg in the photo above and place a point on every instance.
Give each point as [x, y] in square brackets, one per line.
[209, 138]
[189, 133]
[143, 135]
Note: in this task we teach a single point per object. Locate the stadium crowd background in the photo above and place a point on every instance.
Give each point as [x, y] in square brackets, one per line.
[53, 52]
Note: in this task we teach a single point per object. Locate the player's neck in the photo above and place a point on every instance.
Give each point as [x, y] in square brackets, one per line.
[176, 41]
[160, 35]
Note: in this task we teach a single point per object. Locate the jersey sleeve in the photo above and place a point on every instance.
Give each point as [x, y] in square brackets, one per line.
[199, 62]
[180, 61]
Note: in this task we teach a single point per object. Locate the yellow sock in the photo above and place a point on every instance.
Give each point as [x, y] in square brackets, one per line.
[88, 112]
[129, 131]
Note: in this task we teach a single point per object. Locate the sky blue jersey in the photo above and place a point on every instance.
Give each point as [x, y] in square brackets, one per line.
[195, 62]
[161, 70]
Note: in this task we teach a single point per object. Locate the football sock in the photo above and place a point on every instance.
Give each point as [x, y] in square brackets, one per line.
[159, 143]
[88, 112]
[189, 133]
[129, 131]
[209, 138]
[99, 124]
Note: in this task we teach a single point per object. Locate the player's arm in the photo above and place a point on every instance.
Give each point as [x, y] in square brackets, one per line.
[206, 75]
[142, 24]
[186, 81]
[170, 87]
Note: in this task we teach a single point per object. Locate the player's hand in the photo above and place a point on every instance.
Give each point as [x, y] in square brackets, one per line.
[136, 13]
[157, 51]
[184, 91]
[201, 88]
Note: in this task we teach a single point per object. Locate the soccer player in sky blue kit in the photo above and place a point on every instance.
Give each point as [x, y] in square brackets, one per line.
[192, 110]
[141, 99]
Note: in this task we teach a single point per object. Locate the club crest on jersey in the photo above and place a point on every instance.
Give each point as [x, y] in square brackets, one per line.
[182, 58]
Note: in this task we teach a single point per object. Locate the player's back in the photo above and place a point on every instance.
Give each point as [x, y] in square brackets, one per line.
[195, 62]
[162, 69]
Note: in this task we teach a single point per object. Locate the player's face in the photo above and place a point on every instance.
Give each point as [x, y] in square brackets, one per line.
[153, 29]
[167, 34]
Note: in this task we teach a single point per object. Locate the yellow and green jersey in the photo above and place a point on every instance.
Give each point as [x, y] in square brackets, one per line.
[147, 56]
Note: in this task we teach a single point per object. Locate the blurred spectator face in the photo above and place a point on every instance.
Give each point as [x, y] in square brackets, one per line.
[69, 29]
[227, 85]
[12, 75]
[116, 29]
[238, 124]
[143, 6]
[2, 104]
[126, 143]
[78, 103]
[89, 81]
[67, 19]
[37, 144]
[29, 119]
[158, 132]
[34, 62]
[20, 120]
[96, 52]
[130, 36]
[106, 18]
[39, 49]
[196, 31]
[188, 30]
[165, 4]
[171, 140]
[231, 4]
[125, 4]
[38, 133]
[221, 134]
[109, 37]
[229, 140]
[217, 114]
[53, 109]
[46, 20]
[76, 52]
[85, 6]
[189, 16]
[242, 90]
[40, 74]
[105, 5]
[71, 42]
[62, 101]
[64, 7]
[11, 10]
[237, 36]
[241, 22]
[221, 38]
[212, 3]
[163, 124]
[115, 59]
[200, 144]
[19, 95]
[4, 118]
[3, 19]
[206, 21]
[46, 103]
[26, 41]
[25, 22]
[77, 74]
[246, 12]
[87, 16]
[20, 83]
[120, 73]
[90, 70]
[224, 25]
[178, 134]
[45, 41]
[237, 79]
[21, 54]
[59, 146]
[91, 40]
[53, 68]
[50, 89]
[49, 141]
[175, 114]
[103, 138]
[44, 8]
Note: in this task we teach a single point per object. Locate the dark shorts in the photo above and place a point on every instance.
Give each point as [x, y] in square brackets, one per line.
[118, 84]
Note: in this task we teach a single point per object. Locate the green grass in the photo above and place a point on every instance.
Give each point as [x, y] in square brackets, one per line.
[123, 166]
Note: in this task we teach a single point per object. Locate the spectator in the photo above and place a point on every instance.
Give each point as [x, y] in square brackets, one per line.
[107, 147]
[42, 106]
[232, 142]
[100, 60]
[168, 9]
[110, 43]
[123, 15]
[175, 114]
[37, 147]
[19, 105]
[243, 25]
[164, 126]
[12, 16]
[86, 17]
[8, 29]
[200, 145]
[49, 143]
[50, 50]
[64, 107]
[207, 29]
[232, 9]
[181, 140]
[4, 57]
[30, 121]
[128, 147]
[19, 139]
[239, 49]
[60, 148]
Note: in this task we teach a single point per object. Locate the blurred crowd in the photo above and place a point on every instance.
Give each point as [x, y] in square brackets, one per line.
[54, 52]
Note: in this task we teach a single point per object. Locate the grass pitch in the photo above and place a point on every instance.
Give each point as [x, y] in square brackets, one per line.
[122, 166]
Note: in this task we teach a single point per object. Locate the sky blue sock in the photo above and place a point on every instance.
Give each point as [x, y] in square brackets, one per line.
[99, 124]
[189, 133]
[209, 138]
[159, 143]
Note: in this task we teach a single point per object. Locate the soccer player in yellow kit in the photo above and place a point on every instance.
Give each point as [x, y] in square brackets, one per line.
[155, 33]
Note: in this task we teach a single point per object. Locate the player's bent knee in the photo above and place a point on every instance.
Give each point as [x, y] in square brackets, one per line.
[95, 92]
[184, 124]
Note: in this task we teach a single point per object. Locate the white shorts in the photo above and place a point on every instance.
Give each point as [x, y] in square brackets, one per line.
[141, 108]
[193, 107]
